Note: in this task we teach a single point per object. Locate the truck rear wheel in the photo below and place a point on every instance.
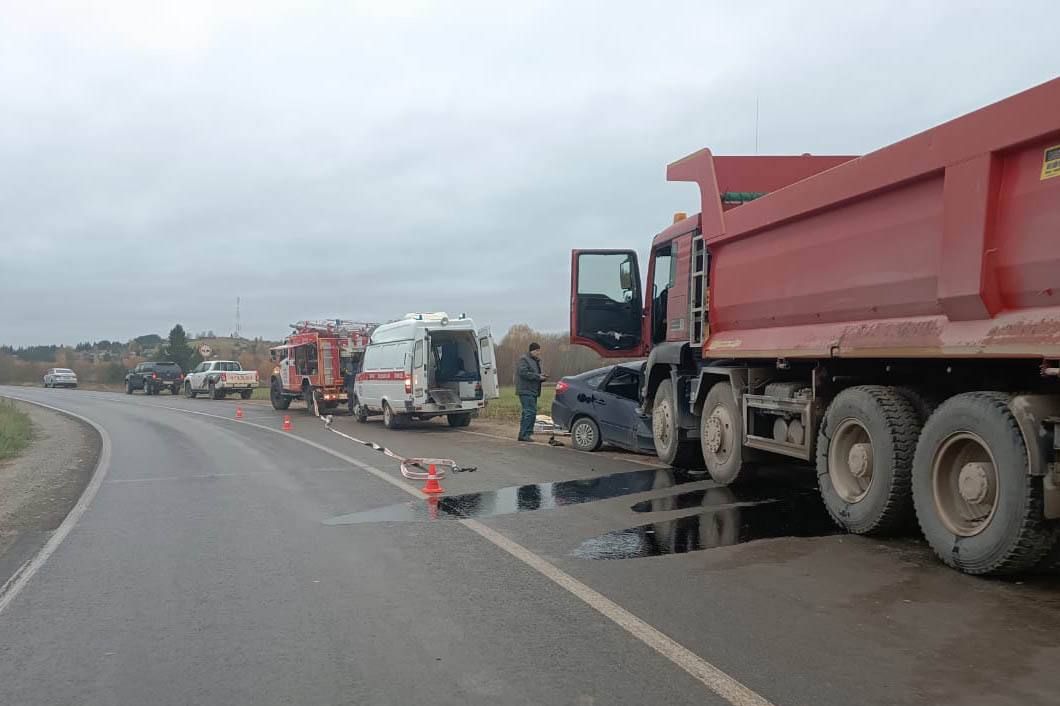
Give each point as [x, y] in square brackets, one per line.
[976, 502]
[245, 394]
[721, 435]
[666, 433]
[864, 459]
[279, 400]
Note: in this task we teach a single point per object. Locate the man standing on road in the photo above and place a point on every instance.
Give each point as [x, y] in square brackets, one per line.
[528, 379]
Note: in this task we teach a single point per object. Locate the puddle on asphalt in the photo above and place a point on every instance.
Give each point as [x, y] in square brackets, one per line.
[524, 498]
[800, 514]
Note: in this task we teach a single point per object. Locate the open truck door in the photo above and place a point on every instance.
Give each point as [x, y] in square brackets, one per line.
[487, 355]
[606, 306]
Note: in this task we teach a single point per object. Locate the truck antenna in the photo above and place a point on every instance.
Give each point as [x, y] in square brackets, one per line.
[756, 125]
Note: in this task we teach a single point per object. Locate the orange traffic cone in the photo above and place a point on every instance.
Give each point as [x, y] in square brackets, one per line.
[287, 422]
[239, 412]
[432, 486]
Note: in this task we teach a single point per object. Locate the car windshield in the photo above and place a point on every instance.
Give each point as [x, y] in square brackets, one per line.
[64, 371]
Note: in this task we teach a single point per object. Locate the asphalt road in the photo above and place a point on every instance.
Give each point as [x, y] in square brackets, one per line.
[225, 562]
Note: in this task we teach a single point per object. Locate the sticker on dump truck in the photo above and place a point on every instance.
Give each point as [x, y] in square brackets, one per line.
[1051, 163]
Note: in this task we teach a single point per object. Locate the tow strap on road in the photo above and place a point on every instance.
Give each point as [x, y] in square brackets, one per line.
[411, 468]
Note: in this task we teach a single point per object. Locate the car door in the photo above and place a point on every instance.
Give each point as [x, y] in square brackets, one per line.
[615, 405]
[487, 355]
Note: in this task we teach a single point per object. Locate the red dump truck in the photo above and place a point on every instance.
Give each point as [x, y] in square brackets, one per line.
[892, 318]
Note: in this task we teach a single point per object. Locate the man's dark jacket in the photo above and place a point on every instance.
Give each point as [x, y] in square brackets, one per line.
[528, 376]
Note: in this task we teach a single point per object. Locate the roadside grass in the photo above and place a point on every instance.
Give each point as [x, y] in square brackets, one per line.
[15, 430]
[260, 393]
[507, 407]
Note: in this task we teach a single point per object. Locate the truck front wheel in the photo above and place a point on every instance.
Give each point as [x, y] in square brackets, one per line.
[721, 435]
[865, 457]
[666, 432]
[279, 400]
[978, 505]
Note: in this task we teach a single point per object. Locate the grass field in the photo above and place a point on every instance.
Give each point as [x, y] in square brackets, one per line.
[507, 407]
[15, 430]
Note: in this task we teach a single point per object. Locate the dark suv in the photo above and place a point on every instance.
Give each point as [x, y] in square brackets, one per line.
[152, 378]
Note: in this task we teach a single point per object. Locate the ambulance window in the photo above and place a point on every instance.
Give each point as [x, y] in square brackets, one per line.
[417, 355]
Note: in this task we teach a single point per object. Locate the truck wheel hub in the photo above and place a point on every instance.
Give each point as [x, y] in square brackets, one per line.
[860, 460]
[713, 434]
[973, 483]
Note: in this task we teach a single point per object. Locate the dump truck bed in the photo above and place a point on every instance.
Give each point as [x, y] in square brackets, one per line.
[946, 244]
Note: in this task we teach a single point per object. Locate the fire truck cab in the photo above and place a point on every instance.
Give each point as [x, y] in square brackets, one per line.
[314, 361]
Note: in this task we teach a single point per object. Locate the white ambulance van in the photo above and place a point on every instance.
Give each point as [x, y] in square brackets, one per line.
[426, 365]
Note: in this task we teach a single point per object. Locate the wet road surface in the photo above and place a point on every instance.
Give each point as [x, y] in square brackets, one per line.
[220, 563]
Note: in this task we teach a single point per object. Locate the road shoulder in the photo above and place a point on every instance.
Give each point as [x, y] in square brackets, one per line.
[39, 488]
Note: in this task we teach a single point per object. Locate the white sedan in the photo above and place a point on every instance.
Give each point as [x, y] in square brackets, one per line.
[60, 377]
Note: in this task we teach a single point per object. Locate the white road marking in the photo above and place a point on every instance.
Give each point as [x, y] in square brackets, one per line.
[27, 571]
[713, 678]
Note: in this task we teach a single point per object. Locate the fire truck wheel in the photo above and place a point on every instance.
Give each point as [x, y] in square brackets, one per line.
[279, 400]
[245, 394]
[392, 420]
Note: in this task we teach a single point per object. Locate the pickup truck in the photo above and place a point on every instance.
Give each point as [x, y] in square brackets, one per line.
[218, 378]
[152, 378]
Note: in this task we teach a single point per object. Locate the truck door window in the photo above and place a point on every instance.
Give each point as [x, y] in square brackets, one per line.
[665, 275]
[608, 300]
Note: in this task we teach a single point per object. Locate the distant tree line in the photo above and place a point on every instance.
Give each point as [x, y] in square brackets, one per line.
[558, 357]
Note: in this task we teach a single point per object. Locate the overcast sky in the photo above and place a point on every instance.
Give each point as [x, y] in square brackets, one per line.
[366, 159]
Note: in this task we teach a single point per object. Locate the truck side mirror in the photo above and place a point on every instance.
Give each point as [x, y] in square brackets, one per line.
[625, 276]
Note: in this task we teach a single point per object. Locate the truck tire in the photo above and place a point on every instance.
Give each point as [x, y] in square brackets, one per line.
[392, 420]
[865, 453]
[459, 420]
[977, 504]
[584, 434]
[923, 401]
[245, 394]
[721, 435]
[215, 392]
[279, 400]
[666, 433]
[189, 392]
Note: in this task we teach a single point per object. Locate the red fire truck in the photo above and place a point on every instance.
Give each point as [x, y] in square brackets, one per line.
[315, 361]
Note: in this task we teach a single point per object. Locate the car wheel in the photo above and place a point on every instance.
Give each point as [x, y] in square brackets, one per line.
[585, 435]
[458, 420]
[390, 419]
[358, 411]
